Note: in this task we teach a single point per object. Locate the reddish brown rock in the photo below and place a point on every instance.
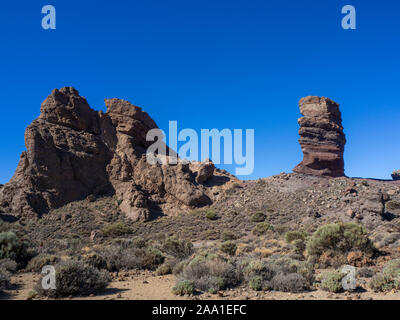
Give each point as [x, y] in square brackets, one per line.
[74, 152]
[321, 137]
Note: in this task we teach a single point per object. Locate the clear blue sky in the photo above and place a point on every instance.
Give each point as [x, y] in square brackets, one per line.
[212, 64]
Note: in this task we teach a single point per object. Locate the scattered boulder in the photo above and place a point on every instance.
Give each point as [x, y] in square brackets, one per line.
[321, 137]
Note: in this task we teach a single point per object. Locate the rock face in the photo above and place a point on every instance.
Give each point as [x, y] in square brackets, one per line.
[321, 137]
[74, 151]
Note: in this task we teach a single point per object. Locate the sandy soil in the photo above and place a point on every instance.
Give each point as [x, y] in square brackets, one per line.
[148, 286]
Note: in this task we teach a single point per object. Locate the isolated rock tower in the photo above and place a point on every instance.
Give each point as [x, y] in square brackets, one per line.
[321, 137]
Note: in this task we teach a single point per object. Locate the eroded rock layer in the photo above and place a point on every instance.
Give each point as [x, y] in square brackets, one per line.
[321, 137]
[74, 152]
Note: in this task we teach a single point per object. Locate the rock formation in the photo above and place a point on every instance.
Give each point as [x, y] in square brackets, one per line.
[321, 137]
[74, 151]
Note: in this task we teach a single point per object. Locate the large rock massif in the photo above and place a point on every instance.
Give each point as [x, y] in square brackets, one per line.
[321, 137]
[74, 152]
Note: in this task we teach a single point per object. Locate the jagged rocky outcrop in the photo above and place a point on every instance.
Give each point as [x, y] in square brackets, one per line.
[321, 137]
[74, 152]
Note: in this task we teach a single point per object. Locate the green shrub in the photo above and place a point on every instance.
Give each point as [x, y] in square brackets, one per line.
[211, 215]
[342, 238]
[332, 281]
[41, 260]
[258, 217]
[270, 274]
[75, 278]
[8, 265]
[292, 282]
[164, 269]
[393, 205]
[256, 283]
[228, 235]
[228, 247]
[388, 279]
[382, 283]
[262, 228]
[116, 230]
[180, 249]
[365, 272]
[11, 247]
[121, 258]
[183, 287]
[210, 273]
[291, 236]
[4, 279]
[95, 260]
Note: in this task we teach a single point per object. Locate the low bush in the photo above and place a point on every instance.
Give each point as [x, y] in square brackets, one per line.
[258, 217]
[228, 247]
[211, 215]
[8, 265]
[120, 258]
[292, 282]
[262, 228]
[280, 274]
[388, 279]
[183, 287]
[75, 278]
[338, 240]
[41, 260]
[365, 272]
[393, 205]
[291, 236]
[4, 279]
[95, 260]
[332, 281]
[11, 247]
[228, 235]
[164, 269]
[210, 273]
[116, 230]
[180, 249]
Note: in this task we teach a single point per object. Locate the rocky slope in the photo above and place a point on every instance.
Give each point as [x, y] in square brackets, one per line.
[74, 152]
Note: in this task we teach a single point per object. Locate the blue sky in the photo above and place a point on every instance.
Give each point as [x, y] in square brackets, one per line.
[212, 64]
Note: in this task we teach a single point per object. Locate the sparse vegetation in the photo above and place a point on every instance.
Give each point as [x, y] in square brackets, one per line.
[11, 247]
[393, 205]
[338, 240]
[228, 247]
[211, 215]
[210, 273]
[4, 279]
[116, 230]
[41, 260]
[262, 228]
[258, 217]
[388, 279]
[177, 248]
[183, 287]
[76, 278]
[280, 274]
[332, 281]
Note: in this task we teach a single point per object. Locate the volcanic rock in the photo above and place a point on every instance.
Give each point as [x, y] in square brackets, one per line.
[321, 137]
[74, 152]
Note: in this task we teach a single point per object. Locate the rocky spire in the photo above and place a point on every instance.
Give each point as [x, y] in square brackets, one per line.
[321, 137]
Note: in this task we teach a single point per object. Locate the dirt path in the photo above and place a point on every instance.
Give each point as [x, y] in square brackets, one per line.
[148, 286]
